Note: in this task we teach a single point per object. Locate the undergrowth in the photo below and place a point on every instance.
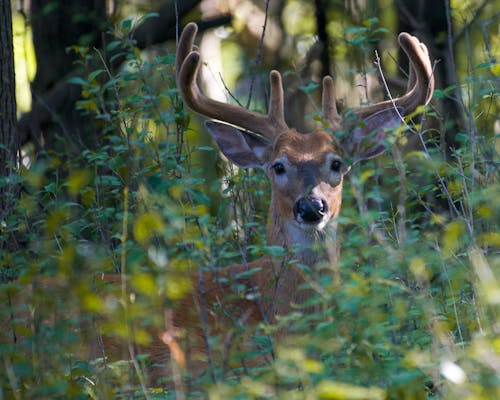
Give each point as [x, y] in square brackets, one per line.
[411, 312]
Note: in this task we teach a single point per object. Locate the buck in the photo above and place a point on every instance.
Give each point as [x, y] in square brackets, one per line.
[306, 173]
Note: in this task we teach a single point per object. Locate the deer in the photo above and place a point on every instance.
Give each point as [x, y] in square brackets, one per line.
[306, 173]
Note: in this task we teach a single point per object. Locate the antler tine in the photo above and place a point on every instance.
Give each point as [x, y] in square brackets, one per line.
[276, 113]
[329, 104]
[188, 63]
[420, 82]
[185, 45]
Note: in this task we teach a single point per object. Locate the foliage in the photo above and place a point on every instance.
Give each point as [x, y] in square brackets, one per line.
[410, 312]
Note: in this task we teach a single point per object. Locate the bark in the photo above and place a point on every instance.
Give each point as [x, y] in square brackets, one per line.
[321, 23]
[8, 142]
[57, 26]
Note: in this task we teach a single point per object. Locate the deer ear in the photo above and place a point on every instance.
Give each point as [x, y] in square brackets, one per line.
[367, 139]
[243, 148]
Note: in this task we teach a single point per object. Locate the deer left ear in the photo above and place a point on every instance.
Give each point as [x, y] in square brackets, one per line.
[367, 138]
[243, 148]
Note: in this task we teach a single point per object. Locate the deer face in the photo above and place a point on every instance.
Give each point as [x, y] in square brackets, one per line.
[305, 171]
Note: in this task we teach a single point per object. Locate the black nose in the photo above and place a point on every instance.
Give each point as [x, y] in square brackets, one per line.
[309, 209]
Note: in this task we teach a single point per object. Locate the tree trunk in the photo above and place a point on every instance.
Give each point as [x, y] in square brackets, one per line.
[57, 25]
[8, 142]
[427, 20]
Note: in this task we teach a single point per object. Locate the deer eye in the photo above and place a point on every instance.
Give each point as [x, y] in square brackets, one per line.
[279, 168]
[335, 166]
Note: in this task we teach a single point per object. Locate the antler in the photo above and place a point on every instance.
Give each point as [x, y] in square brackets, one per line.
[187, 65]
[419, 89]
[329, 104]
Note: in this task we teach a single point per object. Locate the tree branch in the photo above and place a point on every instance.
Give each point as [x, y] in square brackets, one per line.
[152, 31]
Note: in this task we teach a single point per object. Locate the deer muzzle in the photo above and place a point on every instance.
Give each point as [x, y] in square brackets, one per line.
[310, 209]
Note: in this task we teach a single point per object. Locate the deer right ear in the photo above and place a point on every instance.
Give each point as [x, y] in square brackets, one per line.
[368, 138]
[243, 148]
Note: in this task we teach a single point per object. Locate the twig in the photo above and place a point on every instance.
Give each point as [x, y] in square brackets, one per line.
[12, 378]
[377, 234]
[486, 38]
[229, 91]
[453, 299]
[259, 54]
[403, 193]
[204, 324]
[176, 9]
[386, 87]
[464, 29]
[124, 238]
[452, 69]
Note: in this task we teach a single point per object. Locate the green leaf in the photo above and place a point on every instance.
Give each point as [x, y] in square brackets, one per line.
[438, 94]
[485, 65]
[205, 148]
[358, 41]
[95, 74]
[126, 24]
[113, 45]
[370, 22]
[77, 80]
[310, 87]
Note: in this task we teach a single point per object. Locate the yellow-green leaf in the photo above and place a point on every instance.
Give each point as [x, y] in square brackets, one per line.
[143, 282]
[342, 391]
[77, 181]
[146, 226]
[452, 236]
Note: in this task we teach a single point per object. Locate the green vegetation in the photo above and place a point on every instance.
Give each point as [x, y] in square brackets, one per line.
[411, 312]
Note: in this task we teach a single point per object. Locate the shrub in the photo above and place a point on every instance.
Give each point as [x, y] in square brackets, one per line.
[409, 312]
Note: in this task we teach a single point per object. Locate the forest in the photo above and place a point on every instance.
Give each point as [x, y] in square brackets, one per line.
[142, 259]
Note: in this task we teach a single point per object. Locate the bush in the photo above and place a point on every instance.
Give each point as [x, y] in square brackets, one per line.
[410, 311]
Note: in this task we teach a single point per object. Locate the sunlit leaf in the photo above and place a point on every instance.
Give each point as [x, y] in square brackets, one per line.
[143, 282]
[418, 268]
[77, 181]
[342, 391]
[55, 221]
[177, 286]
[453, 236]
[146, 226]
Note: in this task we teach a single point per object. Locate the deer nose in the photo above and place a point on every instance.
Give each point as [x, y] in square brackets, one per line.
[310, 209]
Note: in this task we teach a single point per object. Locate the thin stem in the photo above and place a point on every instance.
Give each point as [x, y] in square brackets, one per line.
[258, 58]
[123, 280]
[11, 376]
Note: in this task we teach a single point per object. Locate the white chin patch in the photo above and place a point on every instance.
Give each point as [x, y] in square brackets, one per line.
[311, 227]
[302, 234]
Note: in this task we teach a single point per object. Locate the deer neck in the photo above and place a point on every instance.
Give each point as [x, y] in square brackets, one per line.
[303, 246]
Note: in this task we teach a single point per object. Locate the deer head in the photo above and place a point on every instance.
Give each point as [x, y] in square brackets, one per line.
[305, 170]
